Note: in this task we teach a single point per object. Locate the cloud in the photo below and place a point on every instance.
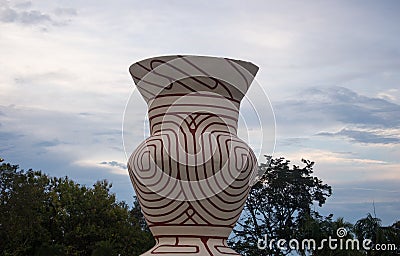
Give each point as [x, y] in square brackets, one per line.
[66, 144]
[364, 136]
[66, 11]
[392, 95]
[23, 14]
[349, 114]
[69, 86]
[347, 106]
[292, 141]
[333, 158]
[324, 109]
[48, 143]
[10, 14]
[115, 164]
[376, 164]
[29, 132]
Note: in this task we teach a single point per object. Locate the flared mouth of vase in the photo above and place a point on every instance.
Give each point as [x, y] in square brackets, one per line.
[191, 73]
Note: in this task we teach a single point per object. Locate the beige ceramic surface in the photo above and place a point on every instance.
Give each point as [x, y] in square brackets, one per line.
[192, 175]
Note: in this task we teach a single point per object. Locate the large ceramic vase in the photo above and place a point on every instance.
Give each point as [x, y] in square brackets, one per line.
[193, 174]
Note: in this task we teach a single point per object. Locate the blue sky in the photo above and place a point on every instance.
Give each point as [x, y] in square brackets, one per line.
[331, 70]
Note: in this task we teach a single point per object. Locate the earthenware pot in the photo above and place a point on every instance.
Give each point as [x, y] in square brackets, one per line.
[192, 175]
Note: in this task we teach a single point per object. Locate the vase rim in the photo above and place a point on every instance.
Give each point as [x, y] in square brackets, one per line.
[175, 56]
[221, 68]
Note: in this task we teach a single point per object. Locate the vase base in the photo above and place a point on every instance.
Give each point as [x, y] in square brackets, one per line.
[200, 246]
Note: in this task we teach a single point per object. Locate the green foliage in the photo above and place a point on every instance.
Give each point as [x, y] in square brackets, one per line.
[276, 205]
[318, 228]
[280, 206]
[103, 248]
[42, 215]
[371, 228]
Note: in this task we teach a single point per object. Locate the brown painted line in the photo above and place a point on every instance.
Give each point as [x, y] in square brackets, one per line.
[234, 150]
[142, 198]
[157, 192]
[216, 217]
[161, 189]
[174, 132]
[216, 247]
[162, 223]
[192, 225]
[233, 194]
[204, 162]
[232, 177]
[195, 94]
[223, 124]
[197, 249]
[172, 80]
[178, 125]
[140, 160]
[231, 202]
[163, 206]
[177, 147]
[151, 69]
[204, 241]
[248, 170]
[229, 211]
[192, 105]
[165, 214]
[217, 82]
[201, 217]
[185, 131]
[207, 75]
[216, 194]
[175, 113]
[151, 192]
[147, 82]
[221, 209]
[241, 74]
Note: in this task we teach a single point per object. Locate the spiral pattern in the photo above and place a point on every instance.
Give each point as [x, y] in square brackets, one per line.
[341, 232]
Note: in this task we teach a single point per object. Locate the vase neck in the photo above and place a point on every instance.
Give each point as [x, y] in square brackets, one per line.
[193, 113]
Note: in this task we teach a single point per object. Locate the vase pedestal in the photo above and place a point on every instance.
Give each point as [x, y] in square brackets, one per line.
[172, 246]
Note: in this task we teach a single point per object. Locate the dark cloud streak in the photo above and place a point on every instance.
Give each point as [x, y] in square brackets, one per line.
[363, 136]
[115, 164]
[339, 104]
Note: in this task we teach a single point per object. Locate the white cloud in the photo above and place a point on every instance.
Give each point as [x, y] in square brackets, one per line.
[24, 13]
[344, 167]
[392, 95]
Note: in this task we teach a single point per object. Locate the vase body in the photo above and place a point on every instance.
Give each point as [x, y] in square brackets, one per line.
[192, 175]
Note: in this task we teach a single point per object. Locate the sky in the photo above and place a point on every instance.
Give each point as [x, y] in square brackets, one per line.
[331, 70]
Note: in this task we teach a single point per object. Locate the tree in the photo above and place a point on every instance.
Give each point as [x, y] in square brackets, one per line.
[276, 206]
[370, 228]
[42, 215]
[319, 227]
[22, 214]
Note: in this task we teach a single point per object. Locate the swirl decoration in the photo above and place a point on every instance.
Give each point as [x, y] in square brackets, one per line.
[341, 232]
